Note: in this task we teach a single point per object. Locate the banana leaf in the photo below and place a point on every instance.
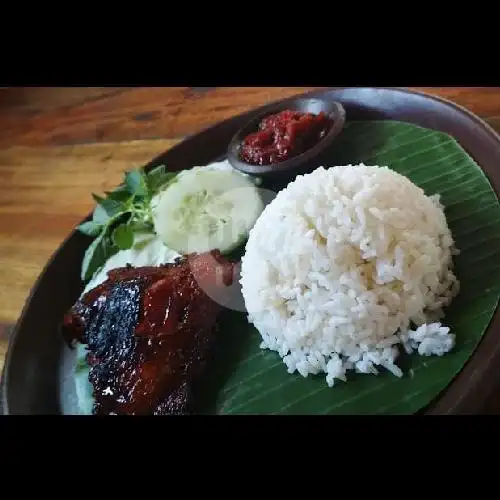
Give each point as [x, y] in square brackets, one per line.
[249, 380]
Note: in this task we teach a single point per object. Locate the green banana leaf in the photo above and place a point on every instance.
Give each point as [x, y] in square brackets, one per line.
[247, 379]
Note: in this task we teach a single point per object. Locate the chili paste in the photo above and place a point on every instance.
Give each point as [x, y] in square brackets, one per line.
[284, 135]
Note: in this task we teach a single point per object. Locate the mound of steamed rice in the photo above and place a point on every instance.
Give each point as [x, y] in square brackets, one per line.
[344, 265]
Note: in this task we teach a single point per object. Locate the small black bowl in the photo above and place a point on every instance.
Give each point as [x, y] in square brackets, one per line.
[333, 109]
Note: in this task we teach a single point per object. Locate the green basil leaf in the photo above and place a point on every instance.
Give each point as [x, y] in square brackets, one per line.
[100, 216]
[120, 214]
[90, 228]
[112, 207]
[123, 237]
[154, 174]
[120, 194]
[158, 178]
[135, 181]
[159, 169]
[96, 255]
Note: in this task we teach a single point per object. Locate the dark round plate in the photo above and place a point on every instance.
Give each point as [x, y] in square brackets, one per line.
[32, 383]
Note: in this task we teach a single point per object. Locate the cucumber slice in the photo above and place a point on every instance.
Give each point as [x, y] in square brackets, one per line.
[83, 387]
[205, 210]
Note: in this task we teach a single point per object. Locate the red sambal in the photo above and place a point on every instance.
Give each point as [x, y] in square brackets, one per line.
[284, 135]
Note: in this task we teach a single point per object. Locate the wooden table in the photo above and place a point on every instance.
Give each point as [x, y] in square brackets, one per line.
[59, 145]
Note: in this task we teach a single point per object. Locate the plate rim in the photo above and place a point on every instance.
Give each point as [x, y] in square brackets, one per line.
[443, 403]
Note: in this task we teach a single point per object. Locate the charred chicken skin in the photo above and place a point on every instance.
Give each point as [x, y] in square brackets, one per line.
[149, 332]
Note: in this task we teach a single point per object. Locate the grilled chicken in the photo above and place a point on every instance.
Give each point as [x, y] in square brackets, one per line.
[149, 332]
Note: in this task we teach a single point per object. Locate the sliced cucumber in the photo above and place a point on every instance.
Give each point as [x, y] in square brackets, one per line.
[205, 210]
[83, 387]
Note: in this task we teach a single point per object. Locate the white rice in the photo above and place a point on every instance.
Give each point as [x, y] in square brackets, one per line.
[341, 266]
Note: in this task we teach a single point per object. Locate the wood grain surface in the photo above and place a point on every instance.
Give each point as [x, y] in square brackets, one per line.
[57, 145]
